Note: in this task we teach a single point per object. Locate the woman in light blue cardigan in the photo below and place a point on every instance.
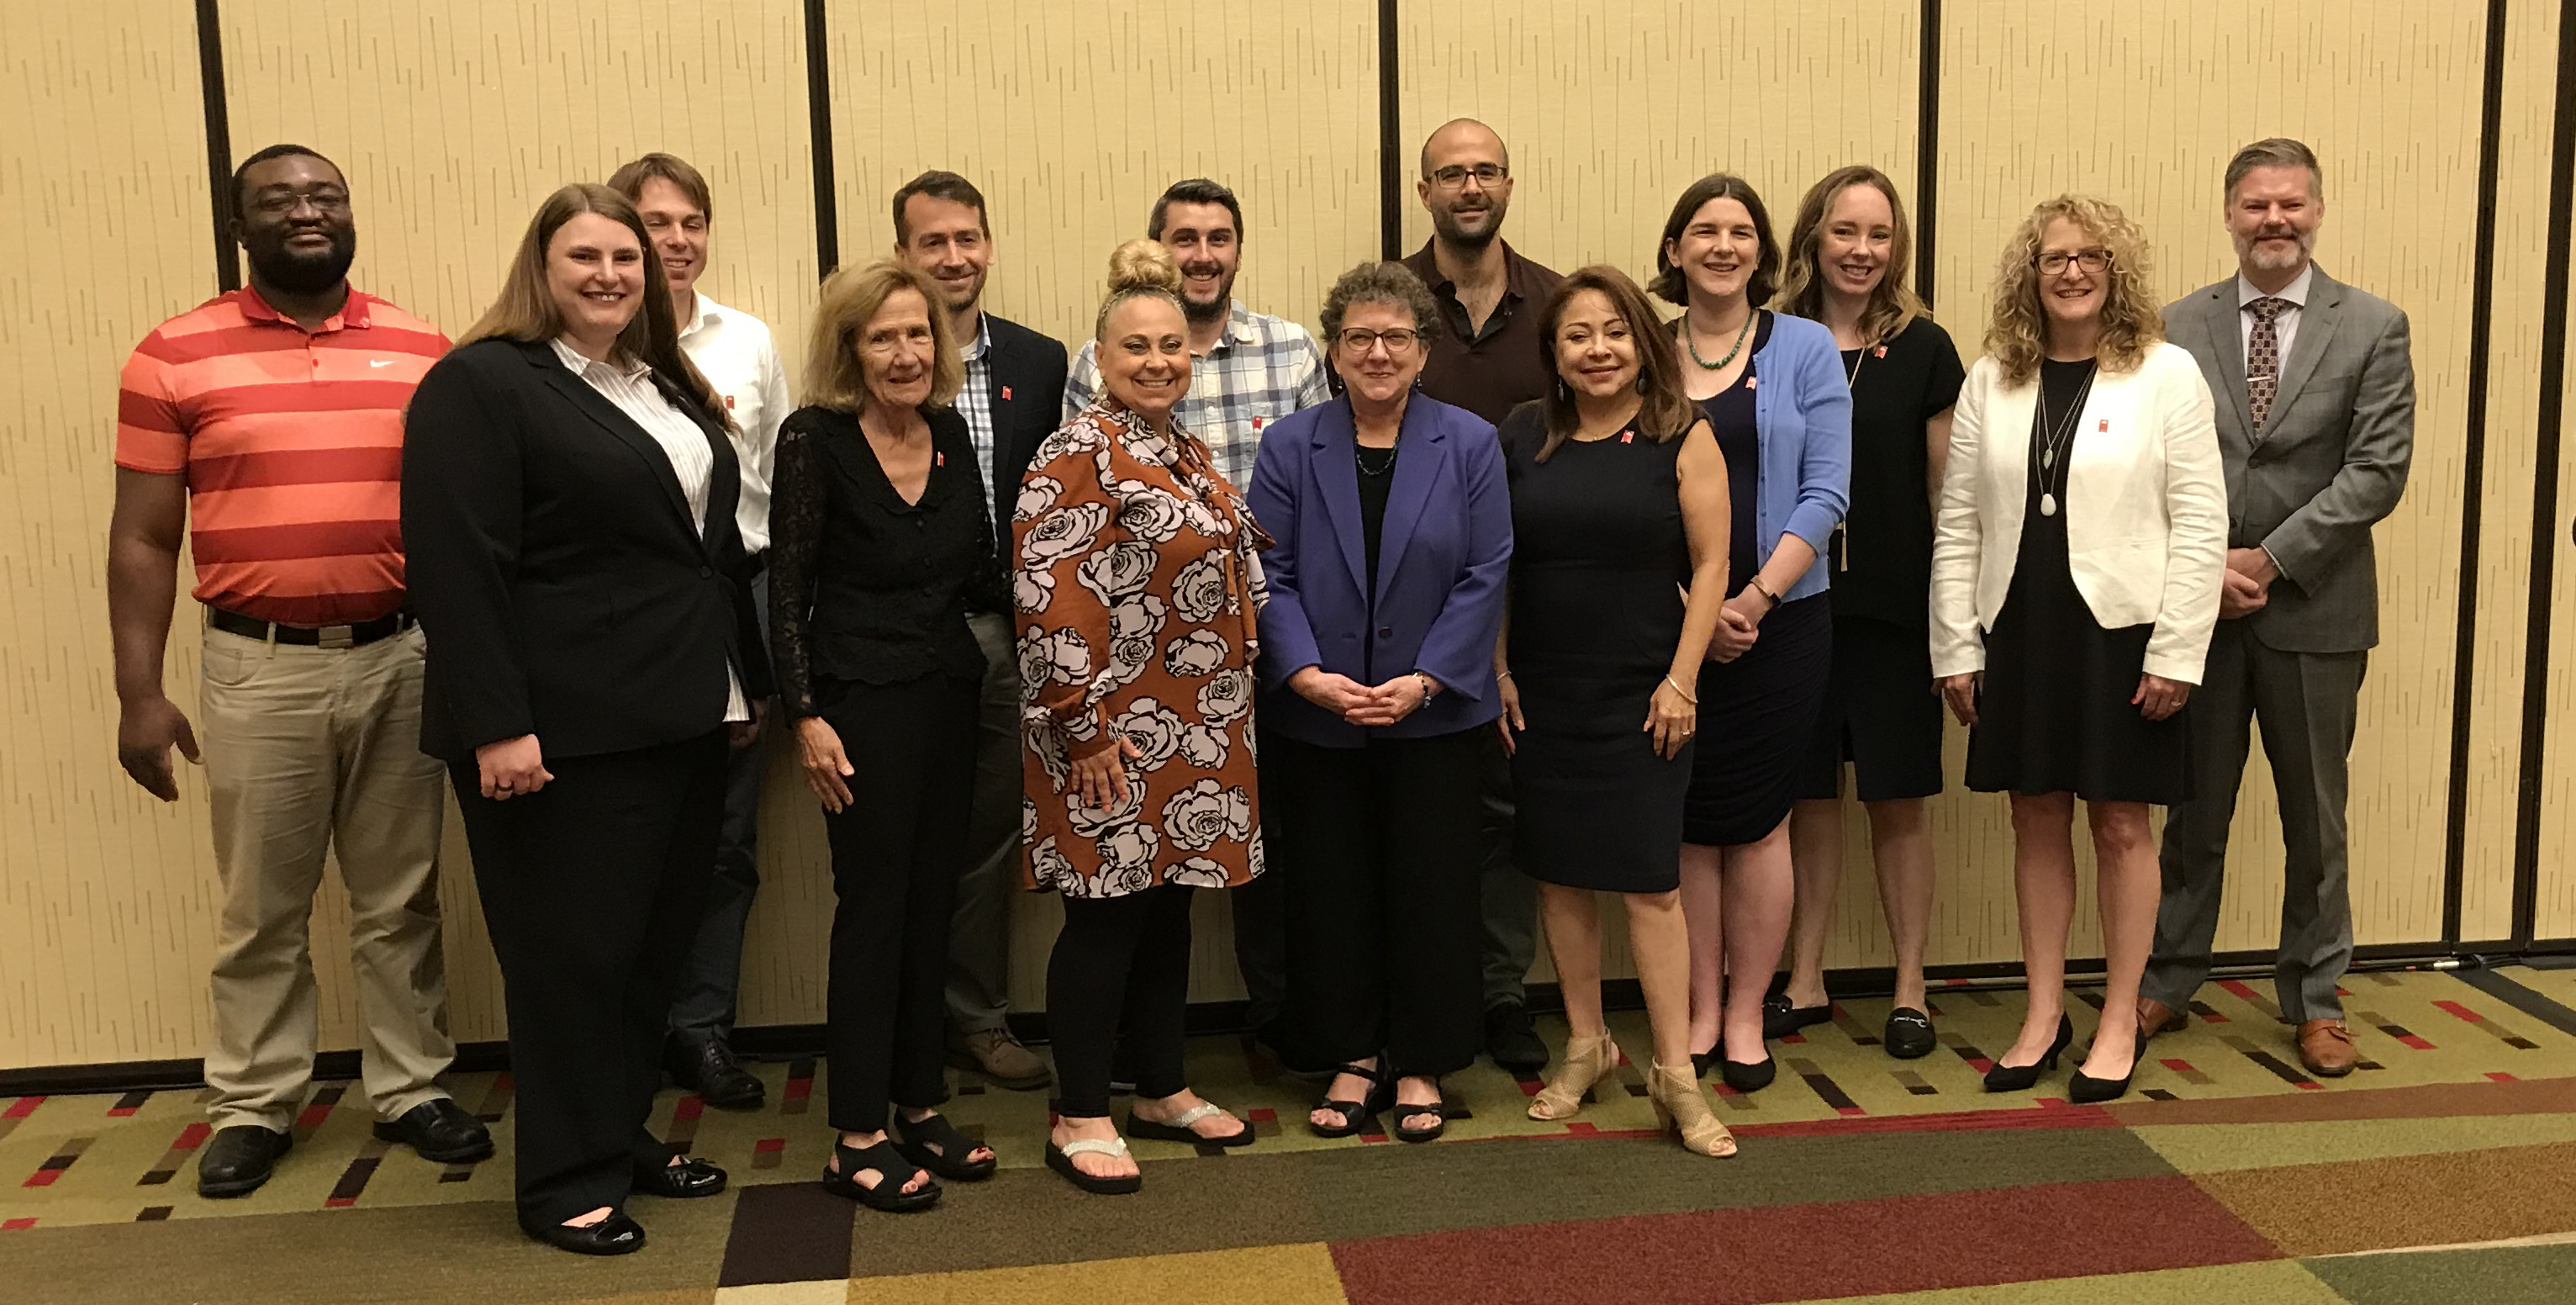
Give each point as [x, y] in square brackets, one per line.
[1774, 390]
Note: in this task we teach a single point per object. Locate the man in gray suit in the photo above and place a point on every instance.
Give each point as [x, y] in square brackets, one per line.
[2316, 419]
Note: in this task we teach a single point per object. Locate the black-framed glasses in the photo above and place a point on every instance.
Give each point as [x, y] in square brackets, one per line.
[1453, 177]
[2091, 260]
[1399, 341]
[325, 200]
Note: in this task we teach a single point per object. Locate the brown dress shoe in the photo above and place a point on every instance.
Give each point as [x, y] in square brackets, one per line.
[1000, 1057]
[2155, 1017]
[2325, 1047]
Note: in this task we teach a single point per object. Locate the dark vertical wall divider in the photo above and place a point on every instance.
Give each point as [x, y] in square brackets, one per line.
[1393, 196]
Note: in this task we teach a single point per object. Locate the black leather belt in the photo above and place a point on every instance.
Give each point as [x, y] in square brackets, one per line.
[310, 636]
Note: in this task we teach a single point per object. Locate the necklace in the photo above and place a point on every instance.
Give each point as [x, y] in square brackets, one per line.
[1382, 466]
[2055, 436]
[1690, 339]
[1851, 375]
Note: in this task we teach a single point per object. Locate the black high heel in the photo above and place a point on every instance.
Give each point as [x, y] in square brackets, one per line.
[2018, 1078]
[2084, 1090]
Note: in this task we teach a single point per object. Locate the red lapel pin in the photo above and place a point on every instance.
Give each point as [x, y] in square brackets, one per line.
[938, 459]
[1627, 436]
[1256, 423]
[2105, 427]
[1751, 381]
[1882, 352]
[1006, 394]
[728, 403]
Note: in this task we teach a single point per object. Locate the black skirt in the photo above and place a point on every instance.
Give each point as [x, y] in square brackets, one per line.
[1880, 713]
[1757, 719]
[2055, 713]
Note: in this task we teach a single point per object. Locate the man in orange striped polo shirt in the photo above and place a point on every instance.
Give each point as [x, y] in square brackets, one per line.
[273, 414]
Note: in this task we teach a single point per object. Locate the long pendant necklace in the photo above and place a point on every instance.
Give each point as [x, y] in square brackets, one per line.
[2055, 436]
[1690, 338]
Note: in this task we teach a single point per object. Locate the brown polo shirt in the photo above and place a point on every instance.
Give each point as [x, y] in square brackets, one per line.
[1490, 372]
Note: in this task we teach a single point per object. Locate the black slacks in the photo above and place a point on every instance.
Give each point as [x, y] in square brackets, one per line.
[1119, 956]
[897, 851]
[1382, 850]
[593, 888]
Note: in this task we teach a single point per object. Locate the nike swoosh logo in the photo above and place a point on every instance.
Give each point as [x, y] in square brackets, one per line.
[380, 362]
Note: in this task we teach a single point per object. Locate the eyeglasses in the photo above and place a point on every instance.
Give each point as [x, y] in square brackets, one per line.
[325, 201]
[2091, 260]
[1487, 175]
[1398, 342]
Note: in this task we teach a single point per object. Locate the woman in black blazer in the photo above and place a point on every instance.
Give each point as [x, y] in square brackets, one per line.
[568, 509]
[881, 546]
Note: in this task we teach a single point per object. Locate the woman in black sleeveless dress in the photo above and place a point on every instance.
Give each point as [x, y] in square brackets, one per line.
[1618, 503]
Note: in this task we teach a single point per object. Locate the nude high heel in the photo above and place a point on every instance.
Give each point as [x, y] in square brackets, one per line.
[1682, 1108]
[1586, 1063]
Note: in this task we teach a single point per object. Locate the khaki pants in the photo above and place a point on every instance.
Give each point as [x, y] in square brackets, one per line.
[308, 750]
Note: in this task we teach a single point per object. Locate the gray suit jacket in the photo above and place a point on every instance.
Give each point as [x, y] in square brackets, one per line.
[2330, 462]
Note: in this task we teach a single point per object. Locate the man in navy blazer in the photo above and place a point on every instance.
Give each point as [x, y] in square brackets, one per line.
[1014, 377]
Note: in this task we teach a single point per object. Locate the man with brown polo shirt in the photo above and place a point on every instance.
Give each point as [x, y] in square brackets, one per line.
[273, 415]
[1489, 361]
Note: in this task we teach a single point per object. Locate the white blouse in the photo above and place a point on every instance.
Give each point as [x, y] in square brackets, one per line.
[693, 460]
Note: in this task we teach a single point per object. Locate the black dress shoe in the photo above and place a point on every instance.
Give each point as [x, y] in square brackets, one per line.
[1908, 1035]
[1512, 1040]
[682, 1181]
[238, 1159]
[614, 1235]
[440, 1131]
[1780, 1019]
[1744, 1076]
[709, 1069]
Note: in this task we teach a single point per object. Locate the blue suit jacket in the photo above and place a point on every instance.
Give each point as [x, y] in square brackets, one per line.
[1443, 559]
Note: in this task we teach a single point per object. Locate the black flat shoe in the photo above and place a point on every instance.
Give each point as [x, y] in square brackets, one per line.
[2018, 1078]
[710, 1070]
[680, 1182]
[1354, 1114]
[893, 1171]
[936, 1145]
[1512, 1040]
[1748, 1076]
[614, 1235]
[1780, 1019]
[238, 1159]
[1908, 1035]
[1702, 1062]
[440, 1131]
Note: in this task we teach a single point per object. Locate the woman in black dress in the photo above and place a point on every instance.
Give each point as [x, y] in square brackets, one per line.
[1848, 253]
[1781, 411]
[2075, 581]
[881, 546]
[1619, 501]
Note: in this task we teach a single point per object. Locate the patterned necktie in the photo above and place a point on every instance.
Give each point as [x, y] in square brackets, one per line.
[2263, 357]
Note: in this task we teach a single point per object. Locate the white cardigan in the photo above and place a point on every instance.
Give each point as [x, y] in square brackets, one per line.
[2145, 503]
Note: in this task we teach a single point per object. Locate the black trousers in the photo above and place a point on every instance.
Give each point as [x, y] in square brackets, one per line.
[897, 851]
[593, 888]
[1382, 850]
[1119, 984]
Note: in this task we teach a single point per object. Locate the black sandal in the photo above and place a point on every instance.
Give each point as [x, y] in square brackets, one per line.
[1060, 1159]
[936, 1145]
[1354, 1114]
[1178, 1129]
[893, 1171]
[1438, 1109]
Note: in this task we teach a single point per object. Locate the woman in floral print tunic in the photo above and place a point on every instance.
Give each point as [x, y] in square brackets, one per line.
[1138, 589]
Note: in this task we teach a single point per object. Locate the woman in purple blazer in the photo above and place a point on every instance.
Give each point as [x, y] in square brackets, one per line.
[1394, 533]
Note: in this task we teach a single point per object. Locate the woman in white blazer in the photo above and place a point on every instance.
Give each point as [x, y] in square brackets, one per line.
[2075, 579]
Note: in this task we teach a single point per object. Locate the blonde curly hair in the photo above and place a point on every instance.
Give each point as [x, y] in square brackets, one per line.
[2132, 318]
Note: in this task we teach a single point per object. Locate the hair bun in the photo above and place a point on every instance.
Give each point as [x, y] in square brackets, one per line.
[1143, 266]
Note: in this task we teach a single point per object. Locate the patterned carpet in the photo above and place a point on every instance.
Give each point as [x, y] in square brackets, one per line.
[2443, 1170]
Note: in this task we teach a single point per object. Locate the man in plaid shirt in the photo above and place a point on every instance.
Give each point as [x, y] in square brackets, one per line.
[1247, 369]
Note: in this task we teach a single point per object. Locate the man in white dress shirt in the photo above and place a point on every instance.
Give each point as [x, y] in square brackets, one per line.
[734, 351]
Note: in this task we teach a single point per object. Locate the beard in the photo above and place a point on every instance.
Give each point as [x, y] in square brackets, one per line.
[1444, 223]
[301, 274]
[2255, 251]
[1200, 314]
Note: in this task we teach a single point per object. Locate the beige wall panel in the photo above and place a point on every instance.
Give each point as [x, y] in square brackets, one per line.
[1778, 94]
[1611, 111]
[105, 894]
[453, 119]
[1071, 120]
[2494, 700]
[2554, 907]
[2143, 105]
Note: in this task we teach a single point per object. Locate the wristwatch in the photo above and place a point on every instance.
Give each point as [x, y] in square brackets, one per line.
[1429, 686]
